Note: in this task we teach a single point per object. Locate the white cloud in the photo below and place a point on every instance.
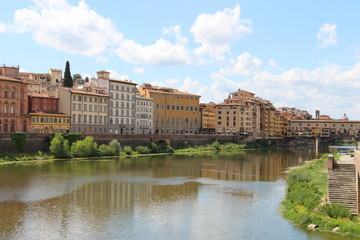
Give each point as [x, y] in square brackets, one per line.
[176, 31]
[162, 52]
[72, 29]
[327, 35]
[245, 64]
[139, 70]
[115, 75]
[331, 89]
[215, 32]
[3, 27]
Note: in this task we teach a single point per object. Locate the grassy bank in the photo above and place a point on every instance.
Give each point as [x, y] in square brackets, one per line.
[306, 204]
[88, 148]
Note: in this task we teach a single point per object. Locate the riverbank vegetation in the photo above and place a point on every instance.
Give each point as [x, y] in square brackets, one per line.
[306, 204]
[67, 146]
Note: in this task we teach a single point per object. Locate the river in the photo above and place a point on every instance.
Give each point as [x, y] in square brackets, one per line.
[203, 196]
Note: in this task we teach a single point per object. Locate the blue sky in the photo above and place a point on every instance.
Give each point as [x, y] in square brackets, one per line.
[303, 54]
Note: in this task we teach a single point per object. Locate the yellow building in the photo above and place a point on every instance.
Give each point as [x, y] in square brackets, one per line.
[207, 117]
[49, 122]
[175, 112]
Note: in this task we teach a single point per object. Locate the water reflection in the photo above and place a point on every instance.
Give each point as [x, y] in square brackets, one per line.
[216, 196]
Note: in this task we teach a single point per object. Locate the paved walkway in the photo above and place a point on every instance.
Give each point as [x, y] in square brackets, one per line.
[346, 159]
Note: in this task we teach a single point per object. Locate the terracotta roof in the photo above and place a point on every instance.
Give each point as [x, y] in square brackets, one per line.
[4, 78]
[122, 81]
[49, 114]
[42, 95]
[32, 82]
[173, 93]
[230, 104]
[88, 93]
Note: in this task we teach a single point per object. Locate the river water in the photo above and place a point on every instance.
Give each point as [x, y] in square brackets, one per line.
[211, 196]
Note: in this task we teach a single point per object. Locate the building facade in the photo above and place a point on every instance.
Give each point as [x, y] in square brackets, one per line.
[144, 115]
[122, 102]
[88, 108]
[175, 112]
[207, 118]
[45, 116]
[13, 101]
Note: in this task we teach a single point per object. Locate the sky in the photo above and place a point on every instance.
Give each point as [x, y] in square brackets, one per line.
[303, 54]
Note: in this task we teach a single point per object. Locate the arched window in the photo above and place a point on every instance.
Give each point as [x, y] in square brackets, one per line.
[111, 120]
[24, 126]
[116, 121]
[127, 97]
[127, 105]
[79, 118]
[100, 118]
[6, 107]
[122, 112]
[6, 92]
[13, 93]
[12, 108]
[90, 119]
[122, 104]
[22, 109]
[95, 119]
[127, 113]
[122, 96]
[6, 126]
[12, 126]
[116, 112]
[117, 104]
[117, 95]
[85, 118]
[73, 119]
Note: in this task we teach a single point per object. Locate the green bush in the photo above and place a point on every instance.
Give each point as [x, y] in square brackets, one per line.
[128, 150]
[298, 175]
[60, 147]
[116, 146]
[106, 150]
[72, 137]
[85, 148]
[154, 148]
[335, 210]
[304, 193]
[216, 145]
[19, 140]
[143, 150]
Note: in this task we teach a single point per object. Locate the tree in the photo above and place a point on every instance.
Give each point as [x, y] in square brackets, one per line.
[76, 76]
[68, 81]
[86, 79]
[59, 146]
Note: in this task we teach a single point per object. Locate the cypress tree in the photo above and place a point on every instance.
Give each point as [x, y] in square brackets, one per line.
[68, 81]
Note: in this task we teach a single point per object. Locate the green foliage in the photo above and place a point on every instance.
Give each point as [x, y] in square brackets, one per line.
[86, 79]
[161, 147]
[72, 137]
[85, 148]
[68, 81]
[216, 145]
[128, 150]
[142, 150]
[298, 175]
[116, 146]
[60, 147]
[106, 150]
[76, 76]
[335, 210]
[19, 140]
[304, 193]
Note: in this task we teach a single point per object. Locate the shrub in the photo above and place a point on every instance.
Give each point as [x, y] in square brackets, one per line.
[128, 150]
[154, 148]
[85, 148]
[106, 150]
[19, 140]
[116, 146]
[72, 137]
[335, 210]
[142, 150]
[304, 193]
[298, 175]
[216, 145]
[60, 147]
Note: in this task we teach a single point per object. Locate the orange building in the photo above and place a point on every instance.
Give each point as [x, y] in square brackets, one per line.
[175, 112]
[13, 101]
[207, 117]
